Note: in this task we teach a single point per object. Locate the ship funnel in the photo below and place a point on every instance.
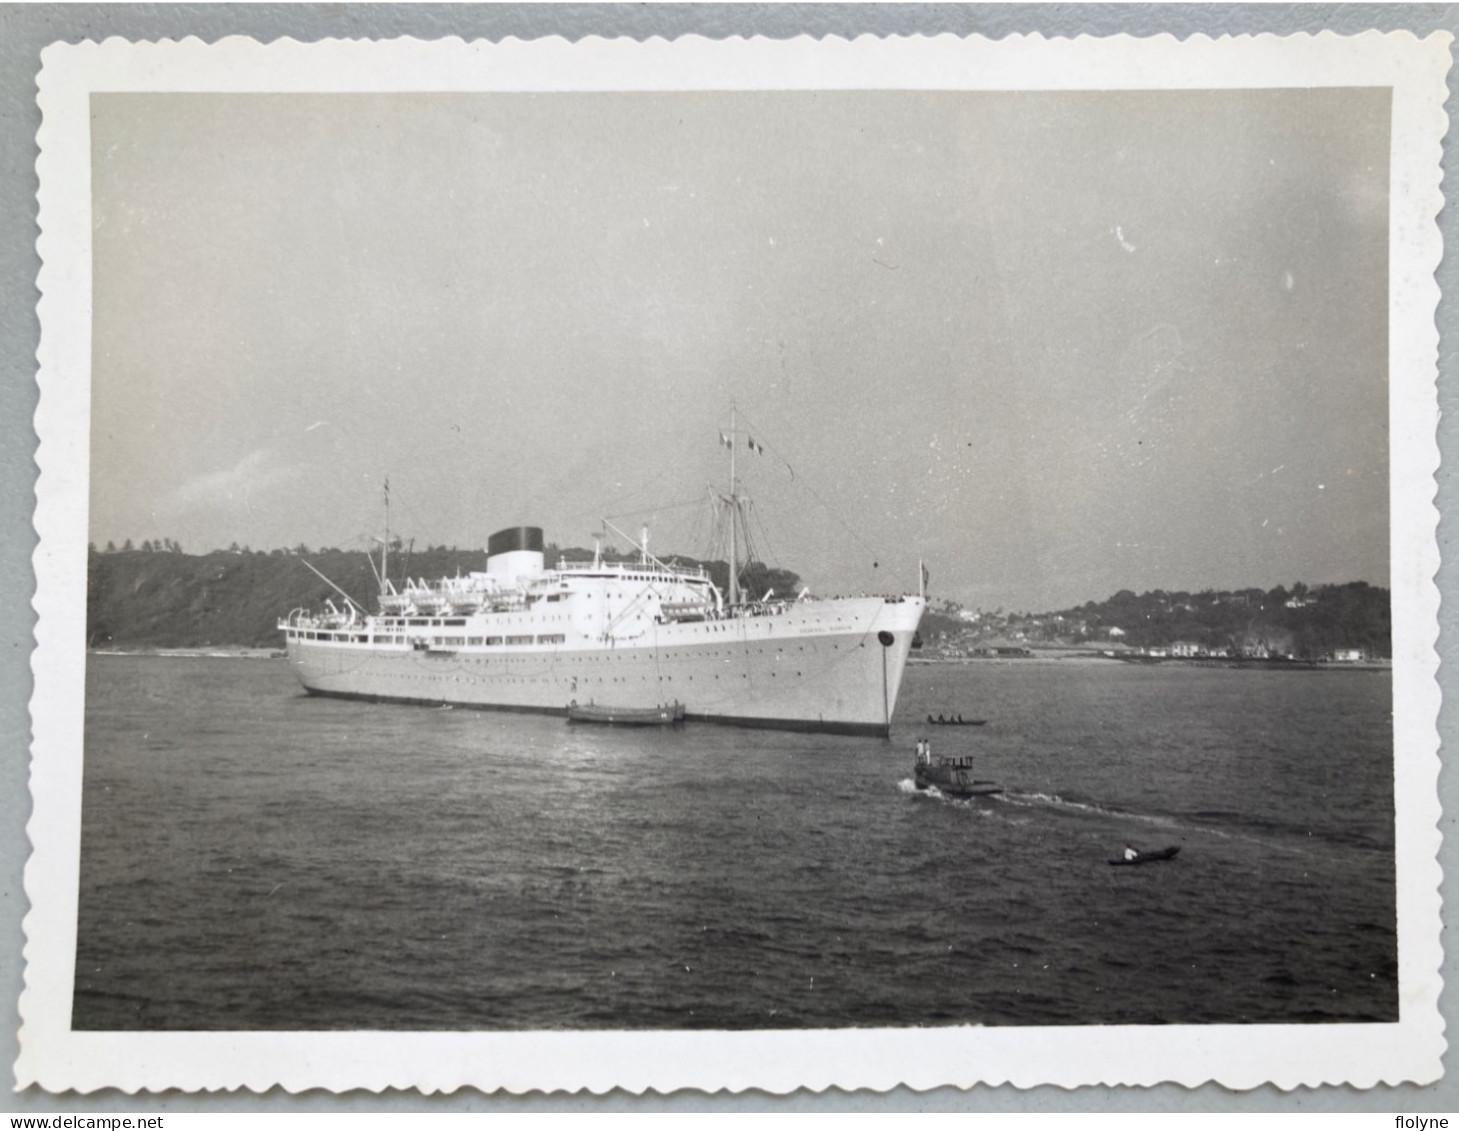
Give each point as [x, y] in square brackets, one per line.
[514, 553]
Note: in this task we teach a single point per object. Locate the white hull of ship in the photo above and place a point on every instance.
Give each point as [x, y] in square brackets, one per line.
[818, 666]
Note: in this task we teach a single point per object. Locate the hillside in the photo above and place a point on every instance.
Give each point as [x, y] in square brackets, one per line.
[1303, 622]
[167, 599]
[160, 598]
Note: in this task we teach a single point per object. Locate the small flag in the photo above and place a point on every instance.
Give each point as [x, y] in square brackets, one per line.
[925, 577]
[758, 449]
[725, 440]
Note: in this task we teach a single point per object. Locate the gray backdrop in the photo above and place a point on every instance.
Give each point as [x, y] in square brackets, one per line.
[26, 29]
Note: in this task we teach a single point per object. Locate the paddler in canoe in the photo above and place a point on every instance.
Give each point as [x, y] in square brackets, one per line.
[1133, 855]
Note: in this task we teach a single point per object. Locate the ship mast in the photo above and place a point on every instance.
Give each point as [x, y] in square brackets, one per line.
[385, 546]
[734, 509]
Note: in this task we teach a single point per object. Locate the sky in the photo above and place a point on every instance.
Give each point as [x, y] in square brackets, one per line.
[1054, 344]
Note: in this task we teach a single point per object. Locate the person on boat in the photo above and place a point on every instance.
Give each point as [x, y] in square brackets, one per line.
[1131, 852]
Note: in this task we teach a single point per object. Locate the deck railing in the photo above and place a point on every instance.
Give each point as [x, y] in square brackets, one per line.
[698, 573]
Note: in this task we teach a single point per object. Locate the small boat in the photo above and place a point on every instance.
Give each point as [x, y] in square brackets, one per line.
[1150, 857]
[666, 714]
[959, 721]
[952, 776]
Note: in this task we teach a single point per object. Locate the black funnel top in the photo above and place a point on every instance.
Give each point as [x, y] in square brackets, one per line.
[514, 538]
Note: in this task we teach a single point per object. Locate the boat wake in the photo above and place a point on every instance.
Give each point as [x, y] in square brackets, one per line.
[932, 793]
[1031, 803]
[1270, 836]
[1047, 802]
[1054, 801]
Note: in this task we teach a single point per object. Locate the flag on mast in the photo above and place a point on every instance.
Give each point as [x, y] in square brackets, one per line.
[726, 441]
[758, 449]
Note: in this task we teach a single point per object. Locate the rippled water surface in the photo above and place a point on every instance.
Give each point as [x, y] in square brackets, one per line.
[256, 859]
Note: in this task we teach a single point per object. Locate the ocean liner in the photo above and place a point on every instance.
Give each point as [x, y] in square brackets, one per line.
[526, 635]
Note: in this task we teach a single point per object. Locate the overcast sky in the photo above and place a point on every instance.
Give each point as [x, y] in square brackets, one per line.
[1055, 344]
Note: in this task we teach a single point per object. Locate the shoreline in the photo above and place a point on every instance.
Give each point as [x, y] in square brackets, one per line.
[1163, 661]
[235, 652]
[202, 652]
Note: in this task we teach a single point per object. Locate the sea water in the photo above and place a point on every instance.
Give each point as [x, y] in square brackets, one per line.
[253, 858]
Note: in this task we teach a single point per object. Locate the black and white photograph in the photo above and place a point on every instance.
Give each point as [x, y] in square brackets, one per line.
[922, 560]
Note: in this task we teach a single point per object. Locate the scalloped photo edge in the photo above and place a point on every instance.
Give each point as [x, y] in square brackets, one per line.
[55, 1057]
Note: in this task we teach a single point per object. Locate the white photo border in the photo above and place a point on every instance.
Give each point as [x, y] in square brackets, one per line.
[54, 1057]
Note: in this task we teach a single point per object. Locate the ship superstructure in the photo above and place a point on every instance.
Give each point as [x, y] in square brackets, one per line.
[528, 636]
